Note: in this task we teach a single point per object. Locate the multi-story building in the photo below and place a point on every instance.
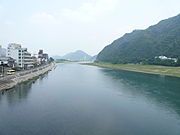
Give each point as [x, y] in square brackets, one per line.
[21, 55]
[42, 57]
[2, 52]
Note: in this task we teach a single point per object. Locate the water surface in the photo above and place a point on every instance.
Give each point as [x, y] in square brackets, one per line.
[78, 99]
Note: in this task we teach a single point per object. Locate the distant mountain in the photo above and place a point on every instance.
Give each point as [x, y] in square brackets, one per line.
[61, 60]
[75, 56]
[162, 39]
[57, 57]
[2, 52]
[93, 58]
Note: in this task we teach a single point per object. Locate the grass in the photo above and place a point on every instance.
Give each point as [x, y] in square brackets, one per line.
[150, 69]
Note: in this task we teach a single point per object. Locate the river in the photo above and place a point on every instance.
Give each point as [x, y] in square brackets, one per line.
[76, 99]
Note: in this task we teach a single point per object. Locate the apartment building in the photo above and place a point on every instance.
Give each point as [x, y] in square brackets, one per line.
[21, 55]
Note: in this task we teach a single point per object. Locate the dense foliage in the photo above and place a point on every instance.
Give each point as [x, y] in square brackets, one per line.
[142, 46]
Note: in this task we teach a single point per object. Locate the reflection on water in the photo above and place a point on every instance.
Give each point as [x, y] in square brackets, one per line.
[20, 92]
[163, 90]
[84, 100]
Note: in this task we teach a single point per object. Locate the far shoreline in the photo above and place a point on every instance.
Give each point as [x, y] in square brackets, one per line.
[147, 69]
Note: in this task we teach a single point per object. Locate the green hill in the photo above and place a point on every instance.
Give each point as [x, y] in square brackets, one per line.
[74, 56]
[145, 46]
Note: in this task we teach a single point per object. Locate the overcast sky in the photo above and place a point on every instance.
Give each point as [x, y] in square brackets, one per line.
[62, 26]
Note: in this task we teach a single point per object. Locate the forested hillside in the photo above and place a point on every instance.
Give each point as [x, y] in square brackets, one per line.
[145, 46]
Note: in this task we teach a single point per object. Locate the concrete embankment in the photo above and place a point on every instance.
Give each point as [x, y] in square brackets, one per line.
[9, 82]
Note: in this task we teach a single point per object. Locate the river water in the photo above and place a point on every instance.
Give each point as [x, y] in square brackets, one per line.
[78, 99]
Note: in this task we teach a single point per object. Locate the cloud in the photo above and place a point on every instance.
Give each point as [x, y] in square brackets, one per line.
[43, 18]
[1, 9]
[89, 12]
[86, 12]
[8, 22]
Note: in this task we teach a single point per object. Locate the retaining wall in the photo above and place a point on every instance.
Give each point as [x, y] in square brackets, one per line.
[12, 80]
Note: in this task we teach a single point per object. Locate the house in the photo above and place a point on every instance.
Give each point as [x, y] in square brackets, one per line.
[166, 58]
[7, 62]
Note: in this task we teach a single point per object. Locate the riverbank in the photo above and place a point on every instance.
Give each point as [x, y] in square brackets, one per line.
[9, 82]
[149, 69]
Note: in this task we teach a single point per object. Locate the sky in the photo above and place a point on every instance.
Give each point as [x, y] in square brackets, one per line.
[62, 26]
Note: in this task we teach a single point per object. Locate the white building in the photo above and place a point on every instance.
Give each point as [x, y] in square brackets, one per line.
[21, 55]
[2, 52]
[166, 58]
